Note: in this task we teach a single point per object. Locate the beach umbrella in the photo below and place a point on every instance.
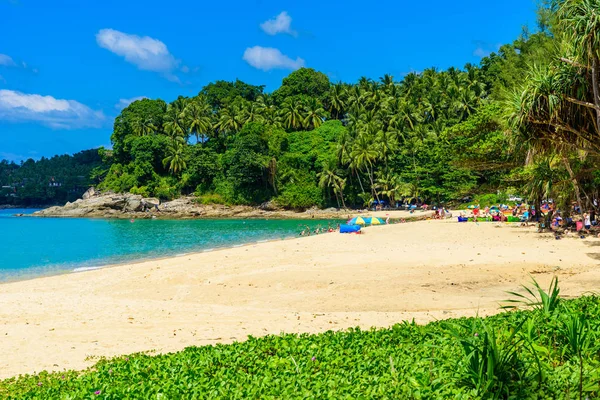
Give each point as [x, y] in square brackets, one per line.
[376, 221]
[357, 221]
[471, 206]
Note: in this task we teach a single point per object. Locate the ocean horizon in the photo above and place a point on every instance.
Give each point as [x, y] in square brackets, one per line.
[34, 247]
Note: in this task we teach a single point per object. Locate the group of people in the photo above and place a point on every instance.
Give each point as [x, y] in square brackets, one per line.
[307, 231]
[441, 213]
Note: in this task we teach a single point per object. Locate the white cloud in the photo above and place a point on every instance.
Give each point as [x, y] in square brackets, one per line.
[7, 61]
[125, 102]
[147, 53]
[47, 110]
[267, 58]
[280, 24]
[481, 52]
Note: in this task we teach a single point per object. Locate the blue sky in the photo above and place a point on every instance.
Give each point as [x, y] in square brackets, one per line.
[68, 66]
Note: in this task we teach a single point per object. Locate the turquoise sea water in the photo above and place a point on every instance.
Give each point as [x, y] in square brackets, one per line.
[32, 247]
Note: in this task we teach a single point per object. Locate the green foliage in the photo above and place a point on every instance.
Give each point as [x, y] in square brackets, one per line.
[210, 198]
[512, 355]
[48, 181]
[305, 81]
[491, 364]
[302, 194]
[220, 93]
[133, 121]
[546, 301]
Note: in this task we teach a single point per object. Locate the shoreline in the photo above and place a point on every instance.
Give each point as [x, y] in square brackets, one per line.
[129, 206]
[427, 270]
[142, 259]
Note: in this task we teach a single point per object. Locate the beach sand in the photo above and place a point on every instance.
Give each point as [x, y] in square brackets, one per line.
[424, 270]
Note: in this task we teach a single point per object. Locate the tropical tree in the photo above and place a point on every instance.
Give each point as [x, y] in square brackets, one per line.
[336, 101]
[198, 118]
[292, 113]
[329, 179]
[315, 113]
[364, 154]
[175, 159]
[143, 126]
[231, 119]
[174, 125]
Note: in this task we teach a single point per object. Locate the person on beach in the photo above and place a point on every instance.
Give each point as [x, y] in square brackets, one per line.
[587, 222]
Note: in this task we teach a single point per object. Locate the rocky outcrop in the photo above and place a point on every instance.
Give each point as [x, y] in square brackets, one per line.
[95, 205]
[127, 206]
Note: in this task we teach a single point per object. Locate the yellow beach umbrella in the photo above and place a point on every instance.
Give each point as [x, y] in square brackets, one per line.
[357, 221]
[376, 221]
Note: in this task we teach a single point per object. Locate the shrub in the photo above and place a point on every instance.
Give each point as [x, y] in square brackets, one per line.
[300, 196]
[209, 198]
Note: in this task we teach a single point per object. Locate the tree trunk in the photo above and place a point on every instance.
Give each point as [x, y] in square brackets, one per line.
[342, 196]
[359, 180]
[596, 90]
[373, 191]
[574, 181]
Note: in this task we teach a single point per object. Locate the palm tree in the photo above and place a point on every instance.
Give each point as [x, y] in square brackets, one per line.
[465, 103]
[338, 189]
[390, 185]
[197, 113]
[291, 112]
[328, 179]
[143, 126]
[387, 143]
[315, 113]
[175, 158]
[268, 110]
[251, 112]
[174, 125]
[387, 80]
[230, 119]
[336, 101]
[364, 154]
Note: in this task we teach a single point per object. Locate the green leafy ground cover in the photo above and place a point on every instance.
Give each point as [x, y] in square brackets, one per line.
[548, 352]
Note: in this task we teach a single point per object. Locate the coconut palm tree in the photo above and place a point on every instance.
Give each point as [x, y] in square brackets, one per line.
[336, 100]
[268, 110]
[198, 116]
[315, 114]
[328, 179]
[230, 119]
[174, 125]
[175, 158]
[364, 154]
[338, 189]
[292, 113]
[251, 112]
[143, 126]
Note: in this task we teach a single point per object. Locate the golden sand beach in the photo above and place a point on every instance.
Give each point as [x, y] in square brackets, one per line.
[424, 270]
